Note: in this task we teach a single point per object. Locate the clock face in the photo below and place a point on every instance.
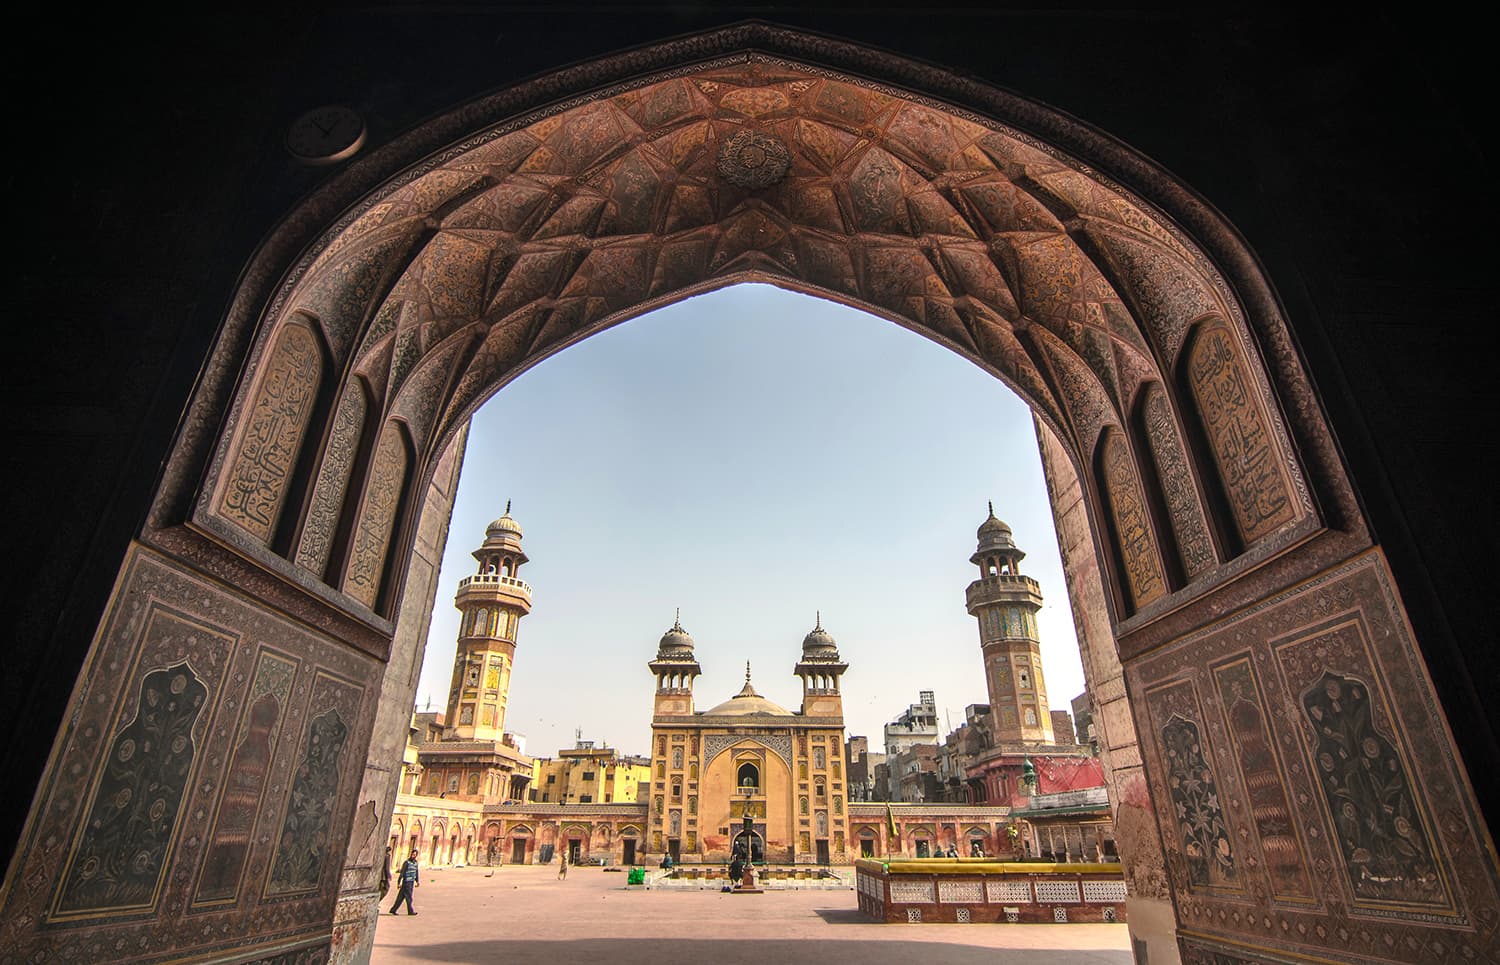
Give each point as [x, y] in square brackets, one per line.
[326, 135]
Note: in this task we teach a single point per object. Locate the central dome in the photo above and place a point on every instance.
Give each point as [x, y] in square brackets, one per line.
[747, 702]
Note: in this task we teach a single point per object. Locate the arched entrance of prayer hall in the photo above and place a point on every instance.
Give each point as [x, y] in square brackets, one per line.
[1235, 611]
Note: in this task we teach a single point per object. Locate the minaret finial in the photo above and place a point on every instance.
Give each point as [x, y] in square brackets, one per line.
[677, 620]
[820, 620]
[507, 508]
[747, 671]
[992, 509]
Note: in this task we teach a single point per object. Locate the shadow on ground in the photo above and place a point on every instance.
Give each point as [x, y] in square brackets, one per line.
[657, 951]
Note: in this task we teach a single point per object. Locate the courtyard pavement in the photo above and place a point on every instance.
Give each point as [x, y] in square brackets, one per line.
[524, 914]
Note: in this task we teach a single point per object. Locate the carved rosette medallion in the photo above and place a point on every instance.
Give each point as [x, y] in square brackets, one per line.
[753, 160]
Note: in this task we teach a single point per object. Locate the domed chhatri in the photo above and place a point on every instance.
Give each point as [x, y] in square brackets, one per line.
[505, 524]
[676, 639]
[993, 525]
[819, 641]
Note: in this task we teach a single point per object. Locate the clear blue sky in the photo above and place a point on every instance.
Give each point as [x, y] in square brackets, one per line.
[751, 456]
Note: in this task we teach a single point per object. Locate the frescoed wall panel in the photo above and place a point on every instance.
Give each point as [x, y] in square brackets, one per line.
[167, 789]
[244, 782]
[1327, 716]
[1260, 772]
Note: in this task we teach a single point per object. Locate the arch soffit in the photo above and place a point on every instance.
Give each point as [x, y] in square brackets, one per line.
[547, 227]
[532, 227]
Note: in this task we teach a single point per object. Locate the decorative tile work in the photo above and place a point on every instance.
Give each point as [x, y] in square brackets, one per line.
[244, 781]
[118, 861]
[1060, 914]
[1052, 892]
[908, 892]
[962, 916]
[377, 517]
[1012, 916]
[255, 483]
[1243, 447]
[960, 892]
[1260, 770]
[1004, 891]
[1143, 573]
[1097, 892]
[914, 916]
[1109, 914]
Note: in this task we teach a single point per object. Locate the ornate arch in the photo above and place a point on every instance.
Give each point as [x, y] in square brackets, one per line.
[535, 227]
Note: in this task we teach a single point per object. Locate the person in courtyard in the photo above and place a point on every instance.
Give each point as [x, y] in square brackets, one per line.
[385, 874]
[407, 882]
[736, 869]
[562, 867]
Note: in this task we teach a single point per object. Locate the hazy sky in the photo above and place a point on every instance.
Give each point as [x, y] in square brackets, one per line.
[751, 456]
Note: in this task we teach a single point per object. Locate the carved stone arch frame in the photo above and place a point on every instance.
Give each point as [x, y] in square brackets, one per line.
[1241, 290]
[1322, 560]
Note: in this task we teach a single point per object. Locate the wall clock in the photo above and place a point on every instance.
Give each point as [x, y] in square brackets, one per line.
[326, 135]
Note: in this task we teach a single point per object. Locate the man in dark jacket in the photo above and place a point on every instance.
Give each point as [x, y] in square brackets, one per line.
[406, 883]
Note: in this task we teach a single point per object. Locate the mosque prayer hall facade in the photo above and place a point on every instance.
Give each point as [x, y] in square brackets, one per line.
[746, 775]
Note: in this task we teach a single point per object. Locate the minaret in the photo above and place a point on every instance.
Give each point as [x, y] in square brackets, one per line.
[675, 668]
[1005, 604]
[492, 601]
[820, 669]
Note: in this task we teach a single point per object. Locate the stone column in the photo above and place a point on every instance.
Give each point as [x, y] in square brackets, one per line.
[1152, 921]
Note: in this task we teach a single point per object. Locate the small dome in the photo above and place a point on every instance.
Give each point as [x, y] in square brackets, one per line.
[993, 526]
[504, 525]
[819, 641]
[675, 640]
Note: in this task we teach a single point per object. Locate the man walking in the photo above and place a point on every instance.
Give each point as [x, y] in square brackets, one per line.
[406, 883]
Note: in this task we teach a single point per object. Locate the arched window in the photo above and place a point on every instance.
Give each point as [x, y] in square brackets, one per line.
[749, 775]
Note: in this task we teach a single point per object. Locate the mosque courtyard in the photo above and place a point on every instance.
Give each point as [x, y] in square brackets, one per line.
[523, 913]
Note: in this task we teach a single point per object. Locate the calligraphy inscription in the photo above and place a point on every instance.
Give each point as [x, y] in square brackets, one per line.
[372, 536]
[258, 476]
[1143, 572]
[333, 480]
[120, 859]
[1188, 524]
[1261, 772]
[1238, 434]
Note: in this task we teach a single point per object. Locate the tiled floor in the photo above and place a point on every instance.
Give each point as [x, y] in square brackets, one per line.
[524, 914]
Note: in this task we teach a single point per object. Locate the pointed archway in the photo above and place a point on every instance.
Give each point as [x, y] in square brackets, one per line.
[1238, 611]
